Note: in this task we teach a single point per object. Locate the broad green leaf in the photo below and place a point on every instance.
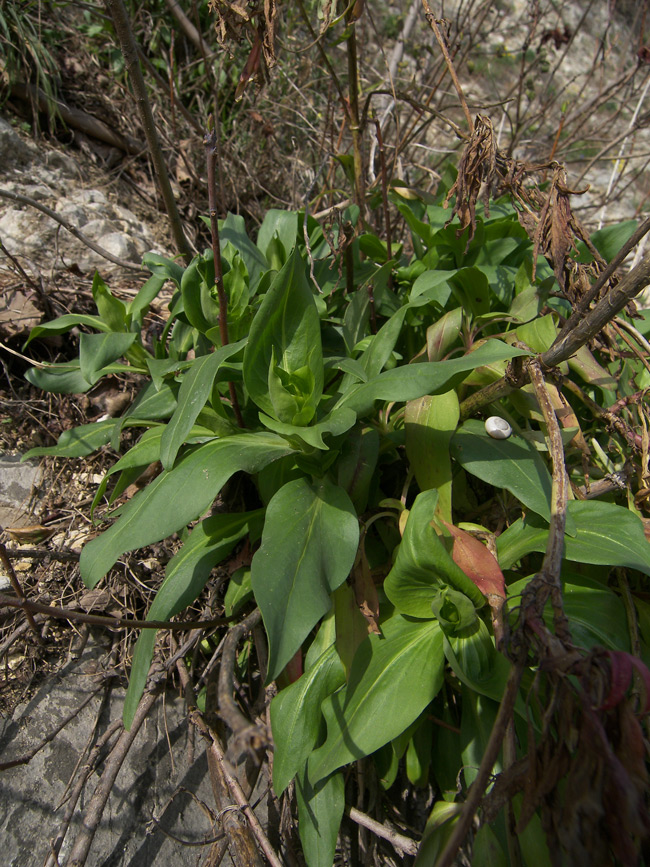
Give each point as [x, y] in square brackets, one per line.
[178, 496]
[200, 302]
[348, 365]
[538, 334]
[434, 286]
[443, 334]
[336, 422]
[285, 339]
[65, 323]
[596, 614]
[320, 810]
[430, 422]
[357, 465]
[471, 289]
[605, 534]
[77, 442]
[233, 229]
[139, 457]
[608, 241]
[185, 577]
[194, 391]
[282, 225]
[63, 378]
[437, 831]
[477, 720]
[355, 320]
[159, 368]
[96, 351]
[239, 592]
[296, 716]
[111, 310]
[309, 544]
[487, 851]
[161, 266]
[137, 309]
[393, 678]
[411, 381]
[153, 403]
[424, 566]
[513, 464]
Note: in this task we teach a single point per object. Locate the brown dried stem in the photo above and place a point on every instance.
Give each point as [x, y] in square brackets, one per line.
[128, 45]
[547, 580]
[15, 583]
[431, 18]
[110, 622]
[218, 760]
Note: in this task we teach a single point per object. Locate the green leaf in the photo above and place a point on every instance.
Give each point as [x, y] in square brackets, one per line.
[443, 334]
[296, 716]
[423, 565]
[77, 442]
[411, 381]
[282, 225]
[96, 351]
[477, 720]
[137, 309]
[161, 266]
[233, 229]
[357, 465]
[393, 678]
[513, 464]
[596, 614]
[239, 592]
[185, 577]
[194, 392]
[200, 305]
[111, 310]
[310, 540]
[430, 422]
[320, 810]
[65, 323]
[285, 339]
[605, 534]
[64, 378]
[178, 496]
[336, 422]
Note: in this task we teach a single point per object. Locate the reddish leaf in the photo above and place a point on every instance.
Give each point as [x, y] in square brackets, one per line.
[621, 673]
[477, 562]
[621, 665]
[252, 69]
[293, 669]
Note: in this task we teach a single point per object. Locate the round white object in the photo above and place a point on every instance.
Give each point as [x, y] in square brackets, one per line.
[498, 427]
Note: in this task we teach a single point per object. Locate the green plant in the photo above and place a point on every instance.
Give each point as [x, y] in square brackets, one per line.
[373, 496]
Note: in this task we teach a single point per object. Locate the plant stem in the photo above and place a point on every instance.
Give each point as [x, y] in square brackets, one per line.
[129, 48]
[9, 569]
[355, 125]
[210, 142]
[431, 18]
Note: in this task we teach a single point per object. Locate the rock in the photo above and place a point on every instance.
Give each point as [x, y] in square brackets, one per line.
[17, 483]
[49, 178]
[159, 779]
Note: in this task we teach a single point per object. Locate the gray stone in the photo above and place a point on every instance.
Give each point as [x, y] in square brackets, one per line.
[17, 483]
[160, 778]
